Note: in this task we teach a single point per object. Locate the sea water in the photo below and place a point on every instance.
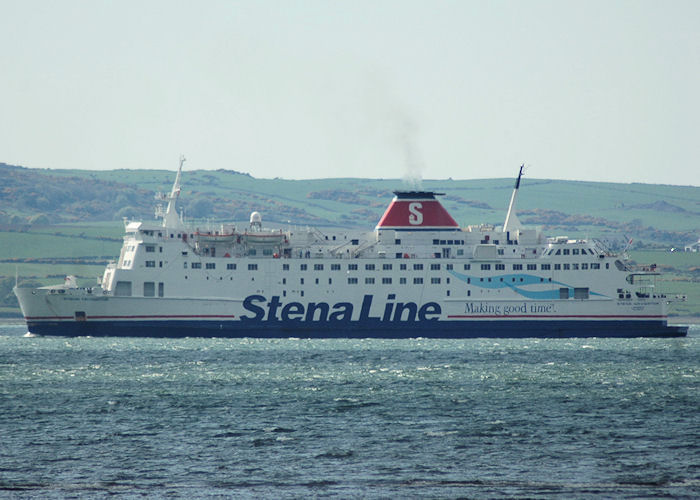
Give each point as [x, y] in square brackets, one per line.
[290, 418]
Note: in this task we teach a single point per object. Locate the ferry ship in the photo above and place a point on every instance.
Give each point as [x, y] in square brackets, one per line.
[417, 274]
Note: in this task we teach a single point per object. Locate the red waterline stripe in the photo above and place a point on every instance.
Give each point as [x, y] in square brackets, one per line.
[48, 317]
[132, 317]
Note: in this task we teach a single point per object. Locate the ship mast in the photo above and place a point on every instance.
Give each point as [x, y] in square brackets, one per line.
[512, 223]
[170, 218]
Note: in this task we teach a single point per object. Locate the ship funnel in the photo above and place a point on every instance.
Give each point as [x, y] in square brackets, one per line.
[417, 211]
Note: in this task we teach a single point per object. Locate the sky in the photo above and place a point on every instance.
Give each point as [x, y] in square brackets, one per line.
[580, 90]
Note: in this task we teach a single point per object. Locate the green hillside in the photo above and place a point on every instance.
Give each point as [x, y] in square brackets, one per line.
[663, 214]
[54, 222]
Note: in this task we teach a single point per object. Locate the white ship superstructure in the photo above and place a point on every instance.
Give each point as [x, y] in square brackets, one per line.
[417, 274]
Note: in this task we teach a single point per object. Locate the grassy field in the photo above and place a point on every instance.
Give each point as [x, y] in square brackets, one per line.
[690, 289]
[37, 245]
[681, 276]
[677, 260]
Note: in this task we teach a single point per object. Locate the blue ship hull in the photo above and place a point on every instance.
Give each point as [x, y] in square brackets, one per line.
[368, 329]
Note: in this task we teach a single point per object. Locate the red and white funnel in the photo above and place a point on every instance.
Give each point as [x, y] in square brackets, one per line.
[417, 211]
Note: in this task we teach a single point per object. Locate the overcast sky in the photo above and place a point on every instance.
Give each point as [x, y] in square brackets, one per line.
[585, 90]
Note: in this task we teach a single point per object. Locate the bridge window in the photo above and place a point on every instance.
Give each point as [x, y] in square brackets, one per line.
[123, 289]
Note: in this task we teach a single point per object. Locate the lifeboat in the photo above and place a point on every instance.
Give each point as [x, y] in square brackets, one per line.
[263, 238]
[215, 238]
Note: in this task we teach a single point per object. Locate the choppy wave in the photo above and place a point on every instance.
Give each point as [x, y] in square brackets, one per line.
[349, 418]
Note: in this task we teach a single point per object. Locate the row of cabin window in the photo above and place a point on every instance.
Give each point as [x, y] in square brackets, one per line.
[385, 281]
[570, 251]
[370, 267]
[317, 267]
[388, 281]
[442, 242]
[149, 232]
[212, 265]
[543, 267]
[404, 267]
